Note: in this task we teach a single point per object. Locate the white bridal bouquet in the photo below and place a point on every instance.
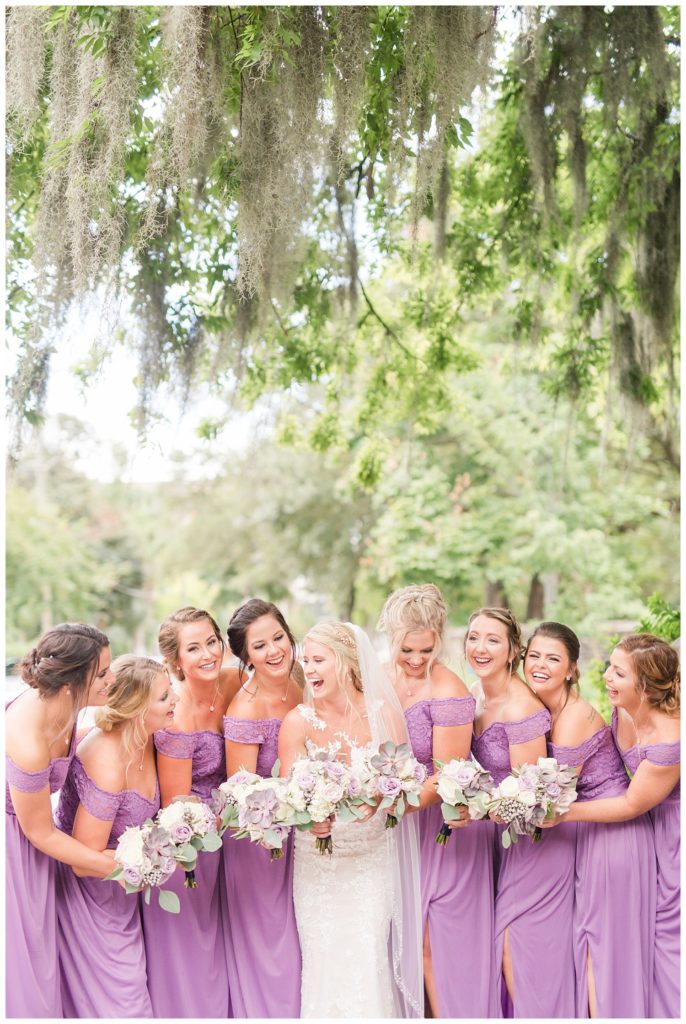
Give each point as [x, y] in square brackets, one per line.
[192, 827]
[319, 787]
[257, 807]
[462, 783]
[531, 794]
[146, 857]
[399, 779]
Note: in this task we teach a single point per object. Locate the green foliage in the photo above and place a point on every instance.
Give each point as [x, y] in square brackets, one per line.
[663, 619]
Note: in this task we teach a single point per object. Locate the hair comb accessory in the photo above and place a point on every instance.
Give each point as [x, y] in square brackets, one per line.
[345, 638]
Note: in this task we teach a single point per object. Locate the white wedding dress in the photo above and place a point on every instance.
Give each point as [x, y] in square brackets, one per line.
[343, 908]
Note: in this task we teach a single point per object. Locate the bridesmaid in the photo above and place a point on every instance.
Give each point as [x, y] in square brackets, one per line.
[67, 670]
[613, 935]
[257, 893]
[644, 686]
[185, 954]
[535, 883]
[456, 880]
[112, 784]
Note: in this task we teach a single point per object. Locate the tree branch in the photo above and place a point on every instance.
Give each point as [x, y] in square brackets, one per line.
[389, 331]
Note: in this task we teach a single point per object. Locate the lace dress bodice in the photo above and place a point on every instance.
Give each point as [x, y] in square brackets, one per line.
[422, 716]
[207, 752]
[262, 731]
[656, 753]
[123, 809]
[492, 747]
[603, 773]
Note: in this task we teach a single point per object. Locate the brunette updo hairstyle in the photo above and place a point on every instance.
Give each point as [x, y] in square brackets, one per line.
[569, 640]
[67, 655]
[656, 664]
[514, 632]
[128, 699]
[340, 639]
[417, 608]
[168, 636]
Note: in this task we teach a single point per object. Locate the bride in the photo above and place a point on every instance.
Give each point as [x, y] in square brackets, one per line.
[358, 910]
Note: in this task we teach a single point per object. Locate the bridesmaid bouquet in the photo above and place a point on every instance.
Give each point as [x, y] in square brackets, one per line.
[146, 857]
[531, 794]
[398, 781]
[462, 783]
[319, 787]
[192, 827]
[257, 808]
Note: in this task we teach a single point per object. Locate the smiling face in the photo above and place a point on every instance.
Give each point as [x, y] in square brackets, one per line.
[321, 671]
[268, 648]
[415, 652]
[620, 681]
[547, 666]
[160, 713]
[487, 647]
[97, 691]
[199, 651]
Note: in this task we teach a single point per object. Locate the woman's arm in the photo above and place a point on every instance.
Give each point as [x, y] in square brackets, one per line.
[175, 775]
[651, 784]
[527, 753]
[34, 814]
[291, 742]
[240, 755]
[92, 832]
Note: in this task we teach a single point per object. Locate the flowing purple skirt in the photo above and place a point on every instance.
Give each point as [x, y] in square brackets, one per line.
[666, 995]
[185, 951]
[457, 904]
[614, 916]
[101, 952]
[261, 936]
[32, 974]
[535, 904]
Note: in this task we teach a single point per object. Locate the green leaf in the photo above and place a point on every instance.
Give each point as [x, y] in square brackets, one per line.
[449, 813]
[276, 768]
[147, 892]
[211, 842]
[169, 901]
[186, 852]
[117, 873]
[506, 839]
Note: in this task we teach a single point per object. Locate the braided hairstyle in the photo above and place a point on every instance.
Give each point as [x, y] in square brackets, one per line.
[67, 655]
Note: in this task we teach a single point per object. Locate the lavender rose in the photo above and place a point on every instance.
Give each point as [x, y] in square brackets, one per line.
[388, 786]
[181, 833]
[132, 876]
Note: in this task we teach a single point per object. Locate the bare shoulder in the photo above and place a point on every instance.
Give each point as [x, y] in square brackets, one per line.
[668, 729]
[244, 705]
[104, 760]
[522, 704]
[25, 742]
[446, 683]
[293, 725]
[579, 722]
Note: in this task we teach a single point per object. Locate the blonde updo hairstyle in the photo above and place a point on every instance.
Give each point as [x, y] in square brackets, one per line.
[514, 632]
[168, 636]
[656, 665]
[128, 700]
[419, 607]
[341, 641]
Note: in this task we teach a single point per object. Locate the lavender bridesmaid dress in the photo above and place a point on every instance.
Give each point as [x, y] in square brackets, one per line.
[534, 892]
[185, 951]
[457, 883]
[261, 937]
[615, 889]
[99, 935]
[666, 824]
[31, 966]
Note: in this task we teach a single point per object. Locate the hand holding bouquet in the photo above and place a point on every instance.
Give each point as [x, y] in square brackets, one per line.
[192, 828]
[146, 857]
[531, 794]
[462, 783]
[320, 787]
[399, 779]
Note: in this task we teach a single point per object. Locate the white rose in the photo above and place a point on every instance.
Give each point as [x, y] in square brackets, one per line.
[548, 763]
[527, 798]
[446, 790]
[509, 787]
[130, 847]
[170, 816]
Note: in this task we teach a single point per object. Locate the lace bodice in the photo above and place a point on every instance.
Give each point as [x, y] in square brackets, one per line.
[263, 731]
[656, 753]
[423, 715]
[32, 782]
[492, 747]
[207, 751]
[123, 809]
[603, 773]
